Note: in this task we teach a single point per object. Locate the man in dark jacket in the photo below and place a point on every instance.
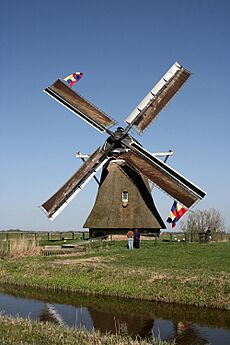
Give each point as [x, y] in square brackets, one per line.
[137, 237]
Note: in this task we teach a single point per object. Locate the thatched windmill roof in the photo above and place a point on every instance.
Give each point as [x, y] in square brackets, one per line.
[110, 212]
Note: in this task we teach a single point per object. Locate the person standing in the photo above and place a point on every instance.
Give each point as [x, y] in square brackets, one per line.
[130, 239]
[137, 238]
[208, 234]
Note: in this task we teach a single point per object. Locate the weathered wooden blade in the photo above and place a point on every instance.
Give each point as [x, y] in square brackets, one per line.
[164, 177]
[80, 106]
[75, 184]
[158, 97]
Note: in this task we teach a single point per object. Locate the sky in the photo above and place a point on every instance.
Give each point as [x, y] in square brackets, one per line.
[123, 48]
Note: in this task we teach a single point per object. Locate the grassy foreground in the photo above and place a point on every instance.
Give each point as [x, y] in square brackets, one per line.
[195, 274]
[26, 332]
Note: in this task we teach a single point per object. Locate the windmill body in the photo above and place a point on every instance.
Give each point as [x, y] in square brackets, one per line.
[124, 199]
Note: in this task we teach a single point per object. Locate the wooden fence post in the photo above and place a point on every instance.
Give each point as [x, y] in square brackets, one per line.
[7, 245]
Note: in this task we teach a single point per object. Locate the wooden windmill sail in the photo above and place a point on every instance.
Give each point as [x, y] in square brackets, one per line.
[121, 145]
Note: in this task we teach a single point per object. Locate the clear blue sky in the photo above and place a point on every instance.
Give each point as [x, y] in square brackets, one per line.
[123, 48]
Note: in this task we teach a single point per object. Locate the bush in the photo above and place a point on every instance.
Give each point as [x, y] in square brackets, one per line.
[201, 220]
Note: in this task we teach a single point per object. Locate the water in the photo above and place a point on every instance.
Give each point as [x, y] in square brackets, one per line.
[188, 325]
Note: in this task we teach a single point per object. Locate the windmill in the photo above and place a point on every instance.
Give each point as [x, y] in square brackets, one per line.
[121, 155]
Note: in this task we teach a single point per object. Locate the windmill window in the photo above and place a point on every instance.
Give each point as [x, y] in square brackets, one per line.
[125, 199]
[125, 196]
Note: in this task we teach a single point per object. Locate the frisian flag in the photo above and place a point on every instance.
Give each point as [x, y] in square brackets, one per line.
[73, 78]
[176, 213]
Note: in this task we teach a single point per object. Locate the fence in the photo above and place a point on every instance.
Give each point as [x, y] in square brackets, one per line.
[43, 235]
[53, 236]
[193, 237]
[59, 242]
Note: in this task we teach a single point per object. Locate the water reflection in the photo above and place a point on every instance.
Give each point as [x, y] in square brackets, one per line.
[187, 325]
[50, 313]
[186, 333]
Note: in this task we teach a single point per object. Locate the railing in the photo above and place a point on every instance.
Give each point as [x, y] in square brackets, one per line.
[52, 236]
[44, 235]
[201, 237]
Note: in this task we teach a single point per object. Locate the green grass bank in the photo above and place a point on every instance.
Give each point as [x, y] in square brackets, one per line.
[25, 332]
[185, 273]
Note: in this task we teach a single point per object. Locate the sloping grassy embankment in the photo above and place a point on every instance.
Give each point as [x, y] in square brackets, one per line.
[194, 274]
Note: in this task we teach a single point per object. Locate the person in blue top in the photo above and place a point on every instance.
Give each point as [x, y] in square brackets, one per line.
[137, 237]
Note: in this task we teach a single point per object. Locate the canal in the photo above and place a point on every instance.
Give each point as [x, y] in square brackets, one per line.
[187, 325]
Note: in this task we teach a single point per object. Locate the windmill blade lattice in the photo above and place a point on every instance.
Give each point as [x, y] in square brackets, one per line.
[54, 205]
[80, 106]
[166, 178]
[148, 109]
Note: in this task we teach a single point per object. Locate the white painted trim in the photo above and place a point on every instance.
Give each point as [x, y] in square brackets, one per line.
[154, 91]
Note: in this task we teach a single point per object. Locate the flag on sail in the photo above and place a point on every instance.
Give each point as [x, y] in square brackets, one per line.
[73, 78]
[176, 213]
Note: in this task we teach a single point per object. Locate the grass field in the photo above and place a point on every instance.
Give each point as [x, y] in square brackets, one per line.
[25, 332]
[195, 274]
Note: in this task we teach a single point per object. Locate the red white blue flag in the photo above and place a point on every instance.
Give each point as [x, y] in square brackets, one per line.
[73, 78]
[176, 213]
